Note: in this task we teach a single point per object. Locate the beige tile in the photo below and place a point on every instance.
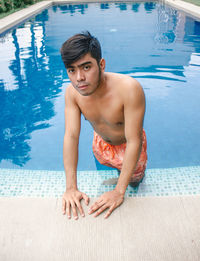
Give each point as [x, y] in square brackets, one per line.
[150, 229]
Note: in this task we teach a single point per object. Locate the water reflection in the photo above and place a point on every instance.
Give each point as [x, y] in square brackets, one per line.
[28, 91]
[72, 9]
[166, 25]
[149, 6]
[104, 6]
[192, 34]
[174, 73]
[121, 6]
[135, 7]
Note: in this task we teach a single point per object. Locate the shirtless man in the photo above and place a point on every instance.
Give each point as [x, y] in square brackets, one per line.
[114, 104]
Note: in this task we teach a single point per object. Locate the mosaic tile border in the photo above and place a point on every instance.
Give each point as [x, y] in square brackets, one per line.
[41, 183]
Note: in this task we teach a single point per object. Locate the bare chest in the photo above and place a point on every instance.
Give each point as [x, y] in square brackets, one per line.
[106, 116]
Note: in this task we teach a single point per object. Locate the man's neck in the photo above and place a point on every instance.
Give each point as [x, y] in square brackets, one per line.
[101, 89]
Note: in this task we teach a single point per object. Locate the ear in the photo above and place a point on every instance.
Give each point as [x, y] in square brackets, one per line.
[102, 64]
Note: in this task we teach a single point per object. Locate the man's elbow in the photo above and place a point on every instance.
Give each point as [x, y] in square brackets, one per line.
[71, 137]
[135, 143]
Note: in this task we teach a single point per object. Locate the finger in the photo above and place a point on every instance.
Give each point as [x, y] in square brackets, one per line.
[86, 198]
[100, 210]
[68, 210]
[95, 206]
[63, 206]
[78, 204]
[97, 202]
[99, 199]
[74, 211]
[109, 211]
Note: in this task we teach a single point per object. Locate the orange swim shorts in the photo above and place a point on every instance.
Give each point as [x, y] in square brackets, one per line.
[112, 155]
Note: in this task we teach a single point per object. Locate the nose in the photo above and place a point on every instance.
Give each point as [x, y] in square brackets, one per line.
[80, 76]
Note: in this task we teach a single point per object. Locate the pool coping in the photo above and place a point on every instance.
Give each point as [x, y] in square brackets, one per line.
[141, 229]
[190, 9]
[14, 19]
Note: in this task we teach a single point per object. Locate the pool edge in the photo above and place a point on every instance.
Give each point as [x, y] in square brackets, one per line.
[16, 18]
[157, 182]
[190, 9]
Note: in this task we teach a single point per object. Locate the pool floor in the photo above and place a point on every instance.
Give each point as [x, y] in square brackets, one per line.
[157, 182]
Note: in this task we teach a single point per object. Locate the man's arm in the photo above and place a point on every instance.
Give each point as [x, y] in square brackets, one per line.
[72, 196]
[134, 109]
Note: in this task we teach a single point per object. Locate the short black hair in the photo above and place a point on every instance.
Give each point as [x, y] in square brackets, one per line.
[79, 45]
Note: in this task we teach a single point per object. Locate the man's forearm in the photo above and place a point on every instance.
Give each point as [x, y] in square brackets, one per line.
[70, 158]
[131, 157]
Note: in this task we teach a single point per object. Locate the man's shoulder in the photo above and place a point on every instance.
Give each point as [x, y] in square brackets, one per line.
[70, 94]
[124, 83]
[70, 91]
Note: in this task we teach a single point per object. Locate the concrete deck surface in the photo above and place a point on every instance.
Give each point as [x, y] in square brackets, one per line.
[142, 229]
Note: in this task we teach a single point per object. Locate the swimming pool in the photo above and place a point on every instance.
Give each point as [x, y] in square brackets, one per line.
[160, 47]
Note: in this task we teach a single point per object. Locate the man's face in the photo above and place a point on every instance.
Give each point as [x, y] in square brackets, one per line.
[85, 74]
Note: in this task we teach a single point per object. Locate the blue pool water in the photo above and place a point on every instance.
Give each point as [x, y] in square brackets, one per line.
[155, 44]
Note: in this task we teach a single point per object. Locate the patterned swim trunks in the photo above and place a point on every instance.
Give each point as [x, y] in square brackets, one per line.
[112, 155]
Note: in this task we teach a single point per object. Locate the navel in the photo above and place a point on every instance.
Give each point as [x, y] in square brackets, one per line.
[108, 141]
[119, 123]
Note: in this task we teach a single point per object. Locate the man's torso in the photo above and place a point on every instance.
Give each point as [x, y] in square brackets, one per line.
[106, 113]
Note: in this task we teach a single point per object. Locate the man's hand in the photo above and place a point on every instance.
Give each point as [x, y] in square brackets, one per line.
[71, 200]
[110, 200]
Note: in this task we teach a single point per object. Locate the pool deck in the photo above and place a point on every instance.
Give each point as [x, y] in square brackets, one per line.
[142, 229]
[18, 17]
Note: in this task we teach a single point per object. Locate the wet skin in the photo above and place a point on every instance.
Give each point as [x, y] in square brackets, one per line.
[114, 104]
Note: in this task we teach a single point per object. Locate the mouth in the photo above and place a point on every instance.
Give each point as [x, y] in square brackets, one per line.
[81, 87]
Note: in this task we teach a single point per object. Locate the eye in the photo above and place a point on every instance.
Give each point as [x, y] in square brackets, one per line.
[71, 70]
[87, 67]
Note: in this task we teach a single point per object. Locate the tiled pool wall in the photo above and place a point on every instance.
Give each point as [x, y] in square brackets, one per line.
[157, 182]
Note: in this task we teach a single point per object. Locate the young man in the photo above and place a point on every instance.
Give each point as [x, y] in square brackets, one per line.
[115, 105]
